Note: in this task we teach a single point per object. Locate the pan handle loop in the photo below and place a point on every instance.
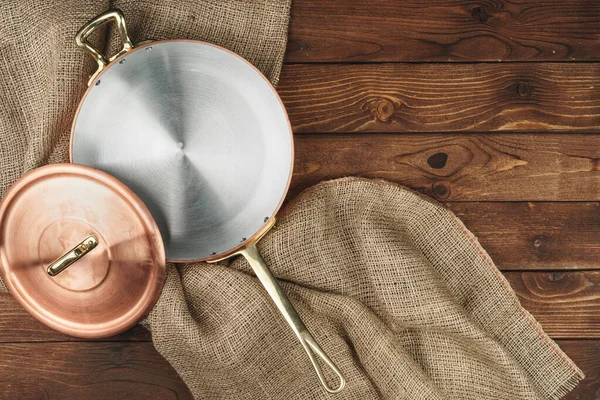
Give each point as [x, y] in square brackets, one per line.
[286, 308]
[91, 26]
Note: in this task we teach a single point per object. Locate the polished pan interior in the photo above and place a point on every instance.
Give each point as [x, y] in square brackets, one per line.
[198, 134]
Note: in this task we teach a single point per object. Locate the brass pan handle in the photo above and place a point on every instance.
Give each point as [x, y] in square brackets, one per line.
[91, 26]
[64, 261]
[310, 345]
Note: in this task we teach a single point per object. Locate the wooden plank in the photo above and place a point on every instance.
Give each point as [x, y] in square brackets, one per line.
[565, 303]
[443, 30]
[16, 325]
[585, 354]
[535, 235]
[136, 371]
[517, 97]
[490, 167]
[87, 370]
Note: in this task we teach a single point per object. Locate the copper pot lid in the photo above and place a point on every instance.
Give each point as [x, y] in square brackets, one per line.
[86, 223]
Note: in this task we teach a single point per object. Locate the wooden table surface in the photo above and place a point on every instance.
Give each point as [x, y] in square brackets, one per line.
[490, 106]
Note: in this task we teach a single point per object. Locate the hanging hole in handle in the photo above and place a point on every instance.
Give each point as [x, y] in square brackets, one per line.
[319, 360]
[331, 381]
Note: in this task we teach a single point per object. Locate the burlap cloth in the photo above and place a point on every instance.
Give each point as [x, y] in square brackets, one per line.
[391, 284]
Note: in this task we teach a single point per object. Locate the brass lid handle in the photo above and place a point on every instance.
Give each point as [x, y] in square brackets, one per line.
[64, 261]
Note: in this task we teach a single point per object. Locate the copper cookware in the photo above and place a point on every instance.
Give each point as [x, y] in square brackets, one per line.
[201, 136]
[80, 251]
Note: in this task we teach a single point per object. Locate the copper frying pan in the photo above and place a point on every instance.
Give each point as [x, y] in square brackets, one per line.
[201, 136]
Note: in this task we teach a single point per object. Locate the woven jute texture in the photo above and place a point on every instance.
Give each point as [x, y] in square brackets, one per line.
[394, 287]
[43, 74]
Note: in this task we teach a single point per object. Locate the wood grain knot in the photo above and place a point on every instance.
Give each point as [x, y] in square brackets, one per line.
[539, 241]
[441, 190]
[480, 14]
[556, 276]
[524, 89]
[384, 110]
[557, 287]
[296, 45]
[438, 160]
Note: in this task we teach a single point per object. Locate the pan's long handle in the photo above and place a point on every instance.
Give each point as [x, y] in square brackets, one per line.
[313, 350]
[91, 26]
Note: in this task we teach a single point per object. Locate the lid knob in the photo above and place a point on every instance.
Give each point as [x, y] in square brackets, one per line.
[77, 252]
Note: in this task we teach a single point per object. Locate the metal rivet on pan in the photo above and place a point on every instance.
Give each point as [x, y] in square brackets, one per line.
[97, 82]
[266, 219]
[244, 239]
[148, 48]
[122, 61]
[213, 253]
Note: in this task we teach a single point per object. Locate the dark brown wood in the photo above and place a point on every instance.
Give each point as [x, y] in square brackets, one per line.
[566, 304]
[80, 370]
[443, 30]
[519, 97]
[491, 167]
[86, 370]
[16, 325]
[585, 353]
[535, 235]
